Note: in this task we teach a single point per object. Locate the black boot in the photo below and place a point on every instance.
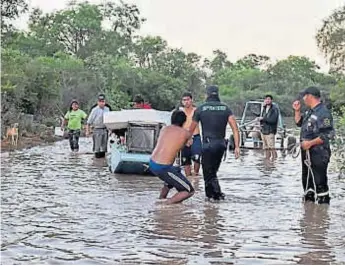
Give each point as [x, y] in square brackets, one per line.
[310, 196]
[209, 191]
[323, 191]
[324, 199]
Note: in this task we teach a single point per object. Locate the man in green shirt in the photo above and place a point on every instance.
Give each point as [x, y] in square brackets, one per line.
[74, 118]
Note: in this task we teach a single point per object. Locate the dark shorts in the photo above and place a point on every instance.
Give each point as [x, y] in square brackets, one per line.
[172, 176]
[193, 152]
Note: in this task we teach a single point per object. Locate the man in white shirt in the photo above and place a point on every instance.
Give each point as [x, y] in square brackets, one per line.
[100, 132]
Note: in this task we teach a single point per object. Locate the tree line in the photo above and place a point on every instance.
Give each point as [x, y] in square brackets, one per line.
[69, 54]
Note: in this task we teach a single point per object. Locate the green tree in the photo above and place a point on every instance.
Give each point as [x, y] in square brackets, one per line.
[219, 61]
[331, 39]
[11, 10]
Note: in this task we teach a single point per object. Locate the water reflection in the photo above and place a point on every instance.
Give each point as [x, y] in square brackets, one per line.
[265, 166]
[314, 225]
[58, 208]
[211, 227]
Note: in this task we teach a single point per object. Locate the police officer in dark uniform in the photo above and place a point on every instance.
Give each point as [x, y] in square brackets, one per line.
[214, 116]
[316, 132]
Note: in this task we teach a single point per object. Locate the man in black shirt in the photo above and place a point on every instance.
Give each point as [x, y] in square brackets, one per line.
[214, 117]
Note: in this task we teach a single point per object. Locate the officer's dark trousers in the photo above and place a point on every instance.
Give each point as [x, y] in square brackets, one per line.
[212, 154]
[319, 157]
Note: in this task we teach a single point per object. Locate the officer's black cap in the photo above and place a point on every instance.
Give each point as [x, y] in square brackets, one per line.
[212, 90]
[312, 91]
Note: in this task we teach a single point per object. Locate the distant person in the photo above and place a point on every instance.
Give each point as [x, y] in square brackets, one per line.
[214, 117]
[171, 140]
[191, 152]
[139, 103]
[269, 124]
[74, 119]
[100, 132]
[316, 133]
[96, 104]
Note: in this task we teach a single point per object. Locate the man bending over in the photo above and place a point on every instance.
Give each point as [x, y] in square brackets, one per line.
[171, 140]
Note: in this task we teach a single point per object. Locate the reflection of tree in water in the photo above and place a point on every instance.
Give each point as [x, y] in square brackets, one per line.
[314, 226]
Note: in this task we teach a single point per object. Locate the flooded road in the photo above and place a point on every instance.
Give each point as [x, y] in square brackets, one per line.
[59, 208]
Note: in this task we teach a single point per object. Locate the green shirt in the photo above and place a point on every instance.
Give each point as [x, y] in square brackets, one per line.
[74, 119]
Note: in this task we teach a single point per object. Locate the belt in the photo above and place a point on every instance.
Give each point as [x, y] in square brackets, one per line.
[209, 139]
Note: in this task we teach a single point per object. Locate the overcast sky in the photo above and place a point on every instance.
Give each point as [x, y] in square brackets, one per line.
[276, 28]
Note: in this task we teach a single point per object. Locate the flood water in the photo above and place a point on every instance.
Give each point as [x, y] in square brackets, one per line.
[59, 208]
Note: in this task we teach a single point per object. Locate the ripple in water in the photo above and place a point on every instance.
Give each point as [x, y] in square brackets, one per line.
[58, 208]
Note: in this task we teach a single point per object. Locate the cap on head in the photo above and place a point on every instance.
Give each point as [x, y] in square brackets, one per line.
[212, 90]
[101, 97]
[312, 91]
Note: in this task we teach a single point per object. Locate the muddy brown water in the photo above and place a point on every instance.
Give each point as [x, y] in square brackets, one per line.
[59, 208]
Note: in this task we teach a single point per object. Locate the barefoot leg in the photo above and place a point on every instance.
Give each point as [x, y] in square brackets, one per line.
[164, 192]
[179, 197]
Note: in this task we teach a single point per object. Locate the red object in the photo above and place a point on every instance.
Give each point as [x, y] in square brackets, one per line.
[147, 106]
[143, 106]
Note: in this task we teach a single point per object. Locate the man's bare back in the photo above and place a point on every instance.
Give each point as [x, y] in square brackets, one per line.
[171, 140]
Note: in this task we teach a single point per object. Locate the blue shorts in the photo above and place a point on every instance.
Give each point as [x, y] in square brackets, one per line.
[193, 152]
[172, 176]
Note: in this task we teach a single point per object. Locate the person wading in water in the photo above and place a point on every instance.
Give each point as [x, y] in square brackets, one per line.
[192, 151]
[214, 117]
[74, 118]
[100, 132]
[163, 157]
[316, 133]
[269, 123]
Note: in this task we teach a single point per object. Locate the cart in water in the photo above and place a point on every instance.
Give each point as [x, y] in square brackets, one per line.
[250, 129]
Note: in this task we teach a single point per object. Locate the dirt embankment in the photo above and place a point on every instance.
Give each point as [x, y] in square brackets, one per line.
[44, 135]
[27, 142]
[41, 136]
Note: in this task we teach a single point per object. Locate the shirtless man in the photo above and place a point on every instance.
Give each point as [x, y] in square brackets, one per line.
[163, 157]
[192, 151]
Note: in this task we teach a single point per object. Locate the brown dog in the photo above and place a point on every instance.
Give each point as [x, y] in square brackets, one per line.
[13, 132]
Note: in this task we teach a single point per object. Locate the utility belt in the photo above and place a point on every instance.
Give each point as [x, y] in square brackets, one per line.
[212, 139]
[319, 149]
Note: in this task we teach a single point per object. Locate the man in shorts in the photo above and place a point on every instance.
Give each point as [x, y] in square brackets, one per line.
[269, 124]
[192, 151]
[171, 140]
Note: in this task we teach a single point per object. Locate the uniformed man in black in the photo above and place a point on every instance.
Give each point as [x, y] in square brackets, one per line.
[316, 132]
[214, 116]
